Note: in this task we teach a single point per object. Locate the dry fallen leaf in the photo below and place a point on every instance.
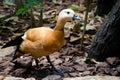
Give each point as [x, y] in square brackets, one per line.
[73, 38]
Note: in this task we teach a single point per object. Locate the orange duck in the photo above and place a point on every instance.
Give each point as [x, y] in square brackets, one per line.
[43, 41]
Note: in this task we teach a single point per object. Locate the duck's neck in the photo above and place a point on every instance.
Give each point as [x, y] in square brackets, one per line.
[60, 25]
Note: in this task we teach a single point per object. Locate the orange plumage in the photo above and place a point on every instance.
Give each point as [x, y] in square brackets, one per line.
[43, 41]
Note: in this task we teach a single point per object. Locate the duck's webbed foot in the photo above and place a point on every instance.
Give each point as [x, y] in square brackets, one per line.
[55, 71]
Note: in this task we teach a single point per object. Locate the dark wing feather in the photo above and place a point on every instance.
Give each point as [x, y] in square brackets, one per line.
[17, 41]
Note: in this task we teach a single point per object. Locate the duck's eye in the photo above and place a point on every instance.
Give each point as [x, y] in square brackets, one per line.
[68, 12]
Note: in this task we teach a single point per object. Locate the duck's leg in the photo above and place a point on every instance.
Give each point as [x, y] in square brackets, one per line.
[53, 67]
[37, 67]
[17, 53]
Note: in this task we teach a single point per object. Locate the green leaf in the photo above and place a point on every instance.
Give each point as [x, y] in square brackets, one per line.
[97, 16]
[9, 3]
[82, 23]
[1, 15]
[40, 1]
[29, 4]
[32, 3]
[74, 7]
[11, 18]
[41, 7]
[21, 11]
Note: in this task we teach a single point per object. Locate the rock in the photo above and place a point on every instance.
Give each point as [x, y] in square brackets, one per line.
[94, 78]
[52, 77]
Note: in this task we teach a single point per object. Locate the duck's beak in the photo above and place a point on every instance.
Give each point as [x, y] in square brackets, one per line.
[76, 17]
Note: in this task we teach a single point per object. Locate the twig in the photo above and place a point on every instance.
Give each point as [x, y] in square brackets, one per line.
[41, 18]
[85, 22]
[32, 18]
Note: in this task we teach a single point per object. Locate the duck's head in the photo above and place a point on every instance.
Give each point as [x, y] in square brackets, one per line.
[68, 15]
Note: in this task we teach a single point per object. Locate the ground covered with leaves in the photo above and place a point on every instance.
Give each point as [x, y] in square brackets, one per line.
[69, 59]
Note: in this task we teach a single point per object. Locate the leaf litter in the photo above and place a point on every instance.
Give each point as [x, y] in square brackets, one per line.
[69, 59]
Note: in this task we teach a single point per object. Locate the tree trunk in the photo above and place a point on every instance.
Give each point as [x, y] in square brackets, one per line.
[104, 7]
[107, 40]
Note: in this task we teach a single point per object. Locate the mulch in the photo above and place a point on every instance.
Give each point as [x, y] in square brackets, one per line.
[68, 59]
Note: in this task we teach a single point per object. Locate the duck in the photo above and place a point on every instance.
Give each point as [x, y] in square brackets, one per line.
[43, 41]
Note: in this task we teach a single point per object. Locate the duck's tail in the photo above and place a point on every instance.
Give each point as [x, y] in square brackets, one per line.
[17, 41]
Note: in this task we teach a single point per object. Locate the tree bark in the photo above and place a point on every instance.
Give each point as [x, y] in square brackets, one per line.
[107, 40]
[104, 7]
